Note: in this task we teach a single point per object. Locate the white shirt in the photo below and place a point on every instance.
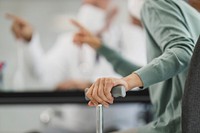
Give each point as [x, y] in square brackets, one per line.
[65, 61]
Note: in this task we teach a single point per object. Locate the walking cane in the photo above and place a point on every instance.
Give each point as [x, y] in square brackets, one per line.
[117, 91]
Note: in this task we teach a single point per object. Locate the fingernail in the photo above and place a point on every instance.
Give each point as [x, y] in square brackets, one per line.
[95, 104]
[89, 105]
[111, 101]
[106, 105]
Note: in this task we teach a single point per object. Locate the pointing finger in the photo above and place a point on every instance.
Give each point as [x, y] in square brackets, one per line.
[11, 16]
[15, 18]
[79, 26]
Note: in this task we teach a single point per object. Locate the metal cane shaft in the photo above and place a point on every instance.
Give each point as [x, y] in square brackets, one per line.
[99, 117]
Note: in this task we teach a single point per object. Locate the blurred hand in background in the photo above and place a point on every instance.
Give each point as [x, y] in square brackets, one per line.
[21, 29]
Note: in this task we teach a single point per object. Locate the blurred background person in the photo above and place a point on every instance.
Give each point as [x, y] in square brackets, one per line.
[67, 65]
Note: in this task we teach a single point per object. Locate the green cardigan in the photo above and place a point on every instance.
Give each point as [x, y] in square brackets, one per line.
[172, 29]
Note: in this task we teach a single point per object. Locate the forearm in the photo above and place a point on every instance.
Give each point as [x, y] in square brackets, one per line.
[171, 63]
[165, 67]
[120, 65]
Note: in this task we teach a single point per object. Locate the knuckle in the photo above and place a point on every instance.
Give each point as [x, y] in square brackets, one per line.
[88, 94]
[107, 80]
[93, 101]
[105, 103]
[107, 93]
[104, 98]
[103, 79]
[98, 80]
[100, 101]
[101, 93]
[101, 96]
[94, 95]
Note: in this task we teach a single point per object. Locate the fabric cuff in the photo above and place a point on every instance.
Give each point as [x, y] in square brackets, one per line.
[145, 77]
[103, 50]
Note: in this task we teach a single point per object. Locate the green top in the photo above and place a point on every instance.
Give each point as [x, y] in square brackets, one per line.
[172, 28]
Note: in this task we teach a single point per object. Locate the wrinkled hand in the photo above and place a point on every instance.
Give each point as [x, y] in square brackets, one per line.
[100, 91]
[84, 36]
[20, 28]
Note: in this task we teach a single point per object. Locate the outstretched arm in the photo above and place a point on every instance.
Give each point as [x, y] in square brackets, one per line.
[120, 65]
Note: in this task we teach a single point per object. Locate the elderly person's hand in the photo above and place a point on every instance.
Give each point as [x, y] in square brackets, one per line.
[20, 28]
[100, 91]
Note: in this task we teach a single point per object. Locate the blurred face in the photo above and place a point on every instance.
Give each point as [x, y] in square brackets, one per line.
[96, 15]
[92, 17]
[195, 4]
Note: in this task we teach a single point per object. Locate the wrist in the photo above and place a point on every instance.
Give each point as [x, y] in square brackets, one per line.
[27, 34]
[28, 38]
[133, 80]
[96, 43]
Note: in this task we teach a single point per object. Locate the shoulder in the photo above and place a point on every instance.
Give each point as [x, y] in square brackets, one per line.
[163, 5]
[161, 10]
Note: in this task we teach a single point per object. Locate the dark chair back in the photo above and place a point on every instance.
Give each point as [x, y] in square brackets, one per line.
[191, 97]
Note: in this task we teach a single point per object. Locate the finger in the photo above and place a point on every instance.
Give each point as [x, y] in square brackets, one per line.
[16, 19]
[78, 37]
[89, 95]
[101, 92]
[90, 103]
[95, 94]
[79, 26]
[11, 16]
[107, 89]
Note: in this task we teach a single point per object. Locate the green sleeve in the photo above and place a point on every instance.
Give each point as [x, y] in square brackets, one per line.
[165, 25]
[120, 65]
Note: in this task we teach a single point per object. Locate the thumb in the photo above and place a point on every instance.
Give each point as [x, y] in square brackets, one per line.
[121, 82]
